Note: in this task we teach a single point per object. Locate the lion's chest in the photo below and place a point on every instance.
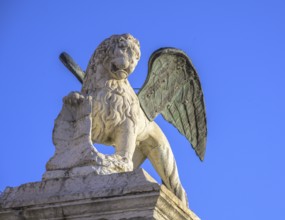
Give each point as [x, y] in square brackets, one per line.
[110, 110]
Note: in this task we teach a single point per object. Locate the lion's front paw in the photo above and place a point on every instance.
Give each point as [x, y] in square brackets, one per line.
[73, 98]
[119, 163]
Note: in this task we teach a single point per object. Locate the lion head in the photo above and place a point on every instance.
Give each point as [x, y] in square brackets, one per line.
[117, 57]
[114, 100]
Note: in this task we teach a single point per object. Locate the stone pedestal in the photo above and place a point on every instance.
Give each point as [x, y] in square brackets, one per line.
[131, 195]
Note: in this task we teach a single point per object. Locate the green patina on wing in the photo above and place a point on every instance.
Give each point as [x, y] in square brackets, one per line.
[173, 89]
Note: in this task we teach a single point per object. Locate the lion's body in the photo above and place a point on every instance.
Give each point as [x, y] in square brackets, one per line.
[117, 118]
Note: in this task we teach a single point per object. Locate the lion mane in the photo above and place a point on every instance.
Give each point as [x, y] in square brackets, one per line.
[113, 100]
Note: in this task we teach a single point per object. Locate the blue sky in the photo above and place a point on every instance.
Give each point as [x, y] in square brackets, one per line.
[237, 48]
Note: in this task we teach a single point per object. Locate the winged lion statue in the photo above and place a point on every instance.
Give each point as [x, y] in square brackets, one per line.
[121, 118]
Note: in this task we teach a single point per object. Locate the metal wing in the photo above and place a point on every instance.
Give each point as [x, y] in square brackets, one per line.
[173, 89]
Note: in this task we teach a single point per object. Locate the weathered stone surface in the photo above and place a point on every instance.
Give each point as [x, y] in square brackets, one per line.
[131, 195]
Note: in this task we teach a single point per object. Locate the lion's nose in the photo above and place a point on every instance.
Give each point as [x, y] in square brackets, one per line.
[118, 65]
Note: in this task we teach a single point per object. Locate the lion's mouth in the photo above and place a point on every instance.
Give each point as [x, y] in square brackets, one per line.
[114, 68]
[120, 73]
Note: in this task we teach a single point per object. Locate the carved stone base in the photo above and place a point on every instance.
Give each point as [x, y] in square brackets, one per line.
[131, 195]
[110, 164]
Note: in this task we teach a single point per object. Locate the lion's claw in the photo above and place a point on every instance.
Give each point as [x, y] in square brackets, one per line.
[73, 98]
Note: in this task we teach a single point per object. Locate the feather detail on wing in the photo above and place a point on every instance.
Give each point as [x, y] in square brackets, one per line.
[173, 89]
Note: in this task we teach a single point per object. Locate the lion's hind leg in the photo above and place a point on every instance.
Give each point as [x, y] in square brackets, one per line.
[160, 154]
